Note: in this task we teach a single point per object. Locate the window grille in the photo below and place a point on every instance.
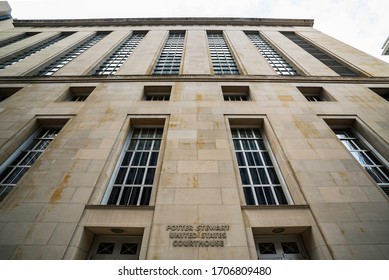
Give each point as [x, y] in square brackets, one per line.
[157, 97]
[275, 60]
[170, 59]
[324, 58]
[260, 181]
[134, 176]
[14, 59]
[24, 158]
[65, 59]
[314, 98]
[118, 57]
[235, 97]
[77, 98]
[157, 93]
[222, 59]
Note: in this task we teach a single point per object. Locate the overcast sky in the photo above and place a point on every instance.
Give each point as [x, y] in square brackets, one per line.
[364, 24]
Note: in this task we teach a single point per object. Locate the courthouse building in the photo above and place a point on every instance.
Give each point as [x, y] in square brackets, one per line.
[190, 138]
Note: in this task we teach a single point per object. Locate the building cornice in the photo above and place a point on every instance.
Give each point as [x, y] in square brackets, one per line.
[194, 78]
[163, 21]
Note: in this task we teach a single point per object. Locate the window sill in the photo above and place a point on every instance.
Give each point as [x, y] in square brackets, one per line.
[274, 207]
[120, 207]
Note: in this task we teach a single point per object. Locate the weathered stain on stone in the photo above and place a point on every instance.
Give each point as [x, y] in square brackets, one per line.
[195, 182]
[285, 98]
[308, 129]
[109, 110]
[200, 143]
[58, 192]
[199, 97]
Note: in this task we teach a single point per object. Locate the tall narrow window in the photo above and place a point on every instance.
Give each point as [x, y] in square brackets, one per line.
[117, 58]
[18, 164]
[16, 58]
[222, 60]
[368, 157]
[170, 59]
[65, 59]
[260, 181]
[133, 179]
[326, 59]
[275, 60]
[17, 38]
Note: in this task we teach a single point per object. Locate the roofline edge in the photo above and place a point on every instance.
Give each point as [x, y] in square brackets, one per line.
[164, 21]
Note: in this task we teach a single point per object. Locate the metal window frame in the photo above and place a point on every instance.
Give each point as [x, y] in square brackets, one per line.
[170, 58]
[236, 97]
[32, 50]
[72, 54]
[272, 56]
[277, 170]
[116, 59]
[223, 61]
[314, 97]
[25, 147]
[384, 163]
[118, 165]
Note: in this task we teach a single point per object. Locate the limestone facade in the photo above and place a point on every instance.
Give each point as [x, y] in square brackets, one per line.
[197, 207]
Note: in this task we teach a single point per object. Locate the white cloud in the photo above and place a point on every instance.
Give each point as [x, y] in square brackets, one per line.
[363, 24]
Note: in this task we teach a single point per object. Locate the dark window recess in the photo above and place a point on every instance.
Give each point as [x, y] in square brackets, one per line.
[339, 68]
[157, 93]
[6, 92]
[15, 39]
[77, 94]
[236, 93]
[383, 92]
[315, 94]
